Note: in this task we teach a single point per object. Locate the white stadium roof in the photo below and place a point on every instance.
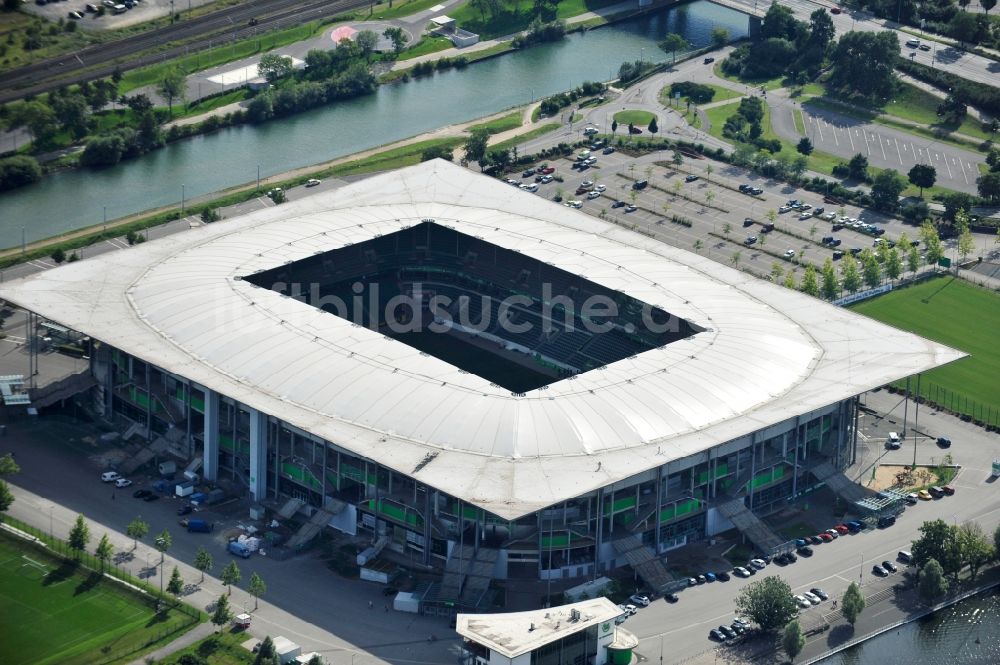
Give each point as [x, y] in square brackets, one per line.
[768, 354]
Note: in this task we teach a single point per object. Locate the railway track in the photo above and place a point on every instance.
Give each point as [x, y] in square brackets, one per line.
[143, 49]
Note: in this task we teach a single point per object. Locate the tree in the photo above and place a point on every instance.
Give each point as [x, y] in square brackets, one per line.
[398, 37]
[231, 575]
[987, 5]
[857, 168]
[790, 280]
[163, 543]
[135, 530]
[274, 67]
[104, 551]
[776, 271]
[805, 146]
[672, 43]
[698, 244]
[931, 583]
[11, 5]
[79, 535]
[922, 175]
[966, 243]
[366, 41]
[996, 538]
[974, 546]
[653, 128]
[171, 87]
[203, 562]
[256, 587]
[863, 62]
[988, 186]
[870, 268]
[938, 541]
[176, 583]
[831, 285]
[853, 603]
[475, 146]
[821, 29]
[441, 151]
[767, 602]
[709, 197]
[222, 614]
[850, 274]
[736, 258]
[727, 228]
[266, 652]
[793, 640]
[7, 467]
[614, 126]
[913, 259]
[933, 248]
[886, 188]
[810, 284]
[893, 263]
[952, 110]
[720, 36]
[709, 170]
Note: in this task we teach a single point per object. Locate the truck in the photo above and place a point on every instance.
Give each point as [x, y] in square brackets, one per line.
[241, 621]
[239, 549]
[196, 525]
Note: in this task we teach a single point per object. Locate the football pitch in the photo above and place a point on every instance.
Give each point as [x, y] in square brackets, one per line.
[958, 314]
[52, 612]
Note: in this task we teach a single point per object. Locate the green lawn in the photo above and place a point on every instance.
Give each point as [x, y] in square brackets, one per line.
[637, 118]
[960, 315]
[402, 8]
[221, 649]
[721, 94]
[527, 136]
[52, 612]
[425, 46]
[396, 158]
[517, 17]
[502, 124]
[800, 125]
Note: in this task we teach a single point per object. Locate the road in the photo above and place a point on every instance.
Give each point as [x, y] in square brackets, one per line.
[228, 24]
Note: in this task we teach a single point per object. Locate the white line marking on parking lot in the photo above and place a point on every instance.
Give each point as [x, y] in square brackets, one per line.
[851, 139]
[897, 150]
[964, 175]
[948, 166]
[819, 126]
[881, 146]
[867, 146]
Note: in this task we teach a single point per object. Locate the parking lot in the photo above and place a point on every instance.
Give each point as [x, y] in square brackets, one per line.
[884, 147]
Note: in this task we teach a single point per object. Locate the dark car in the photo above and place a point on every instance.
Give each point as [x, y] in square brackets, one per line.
[747, 222]
[727, 631]
[708, 61]
[756, 191]
[791, 557]
[630, 208]
[722, 576]
[640, 184]
[837, 227]
[691, 178]
[141, 494]
[608, 150]
[781, 560]
[886, 521]
[889, 566]
[701, 579]
[944, 442]
[634, 130]
[805, 550]
[855, 250]
[716, 635]
[151, 497]
[528, 173]
[184, 510]
[618, 204]
[814, 540]
[819, 592]
[671, 598]
[879, 571]
[855, 526]
[744, 188]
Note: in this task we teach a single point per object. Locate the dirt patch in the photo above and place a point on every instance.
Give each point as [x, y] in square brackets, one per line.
[900, 477]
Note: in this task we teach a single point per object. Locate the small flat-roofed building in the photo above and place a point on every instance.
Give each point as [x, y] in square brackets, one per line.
[583, 632]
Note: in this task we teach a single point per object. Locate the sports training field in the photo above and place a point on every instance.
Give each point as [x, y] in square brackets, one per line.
[962, 316]
[51, 613]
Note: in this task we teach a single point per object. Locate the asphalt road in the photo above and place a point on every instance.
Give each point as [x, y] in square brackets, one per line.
[226, 24]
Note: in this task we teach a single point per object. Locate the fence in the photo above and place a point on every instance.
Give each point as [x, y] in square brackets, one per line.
[115, 573]
[984, 415]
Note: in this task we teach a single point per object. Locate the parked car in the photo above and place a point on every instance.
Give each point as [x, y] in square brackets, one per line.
[140, 494]
[819, 593]
[747, 222]
[701, 579]
[811, 597]
[759, 564]
[855, 526]
[708, 61]
[790, 253]
[886, 521]
[936, 492]
[528, 173]
[691, 178]
[750, 240]
[716, 635]
[805, 550]
[879, 571]
[640, 600]
[825, 537]
[547, 170]
[740, 571]
[185, 510]
[912, 498]
[709, 577]
[841, 529]
[802, 602]
[593, 195]
[671, 597]
[948, 490]
[944, 442]
[312, 182]
[890, 566]
[722, 576]
[924, 495]
[833, 533]
[109, 476]
[904, 557]
[630, 208]
[727, 631]
[608, 150]
[640, 184]
[122, 482]
[692, 581]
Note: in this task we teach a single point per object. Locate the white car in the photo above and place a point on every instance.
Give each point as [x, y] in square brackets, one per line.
[123, 482]
[740, 571]
[802, 602]
[600, 188]
[589, 131]
[805, 215]
[593, 195]
[109, 476]
[587, 183]
[312, 182]
[784, 209]
[640, 600]
[530, 187]
[574, 204]
[812, 598]
[759, 564]
[789, 253]
[546, 179]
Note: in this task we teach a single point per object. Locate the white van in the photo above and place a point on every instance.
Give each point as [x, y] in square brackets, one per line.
[893, 441]
[905, 556]
[109, 476]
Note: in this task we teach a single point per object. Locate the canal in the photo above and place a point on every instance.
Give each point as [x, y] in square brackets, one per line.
[77, 198]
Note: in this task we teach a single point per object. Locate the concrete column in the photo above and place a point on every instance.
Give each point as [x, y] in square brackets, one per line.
[258, 455]
[210, 435]
[659, 504]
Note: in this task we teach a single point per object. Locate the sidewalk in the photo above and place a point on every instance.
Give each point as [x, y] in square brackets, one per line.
[197, 633]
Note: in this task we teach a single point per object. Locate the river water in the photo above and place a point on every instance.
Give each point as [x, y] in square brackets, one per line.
[948, 637]
[74, 199]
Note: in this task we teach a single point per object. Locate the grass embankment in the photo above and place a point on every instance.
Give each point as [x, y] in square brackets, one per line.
[425, 46]
[55, 612]
[518, 16]
[527, 136]
[960, 315]
[720, 94]
[637, 118]
[401, 8]
[221, 649]
[502, 124]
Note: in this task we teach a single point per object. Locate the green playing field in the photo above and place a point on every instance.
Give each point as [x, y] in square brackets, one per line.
[55, 612]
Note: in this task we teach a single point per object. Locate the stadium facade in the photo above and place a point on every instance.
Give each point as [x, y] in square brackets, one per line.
[262, 345]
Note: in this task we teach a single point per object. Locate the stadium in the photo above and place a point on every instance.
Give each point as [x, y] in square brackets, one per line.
[476, 378]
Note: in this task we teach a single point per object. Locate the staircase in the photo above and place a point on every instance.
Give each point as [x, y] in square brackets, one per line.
[648, 567]
[146, 453]
[750, 525]
[311, 529]
[840, 484]
[175, 414]
[291, 507]
[455, 571]
[478, 577]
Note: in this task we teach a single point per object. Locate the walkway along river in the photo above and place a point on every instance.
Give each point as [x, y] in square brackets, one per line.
[77, 198]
